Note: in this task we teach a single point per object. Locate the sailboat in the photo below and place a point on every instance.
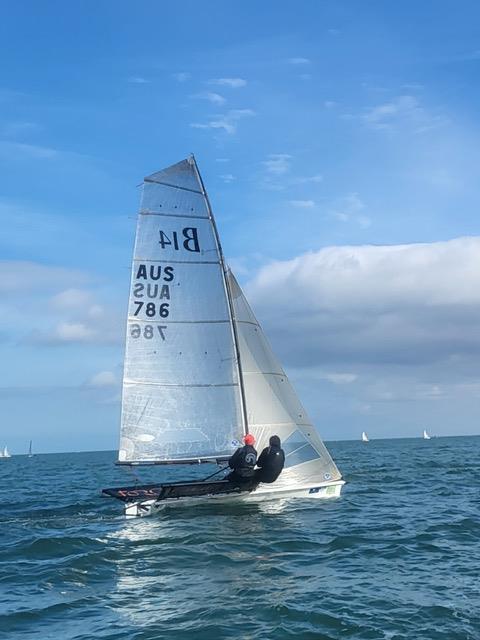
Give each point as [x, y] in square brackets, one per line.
[199, 373]
[426, 436]
[5, 453]
[30, 454]
[364, 437]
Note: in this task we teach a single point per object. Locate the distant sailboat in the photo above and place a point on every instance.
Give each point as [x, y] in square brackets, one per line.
[5, 453]
[425, 435]
[364, 437]
[30, 454]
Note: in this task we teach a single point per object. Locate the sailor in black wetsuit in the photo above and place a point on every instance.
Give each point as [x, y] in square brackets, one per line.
[243, 462]
[271, 462]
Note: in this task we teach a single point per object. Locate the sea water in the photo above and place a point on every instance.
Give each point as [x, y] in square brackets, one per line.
[396, 557]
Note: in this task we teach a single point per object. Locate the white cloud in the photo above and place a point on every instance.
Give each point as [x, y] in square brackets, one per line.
[301, 61]
[103, 379]
[277, 163]
[214, 98]
[12, 149]
[307, 179]
[71, 332]
[227, 122]
[21, 276]
[227, 178]
[329, 104]
[350, 209]
[402, 111]
[402, 304]
[233, 83]
[138, 80]
[341, 378]
[181, 77]
[72, 299]
[302, 204]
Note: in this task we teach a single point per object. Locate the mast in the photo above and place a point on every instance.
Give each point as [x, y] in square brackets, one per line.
[228, 295]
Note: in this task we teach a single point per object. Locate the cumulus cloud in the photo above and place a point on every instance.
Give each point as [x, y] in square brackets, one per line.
[392, 304]
[232, 83]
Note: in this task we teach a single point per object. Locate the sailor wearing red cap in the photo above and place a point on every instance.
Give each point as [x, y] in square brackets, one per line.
[243, 461]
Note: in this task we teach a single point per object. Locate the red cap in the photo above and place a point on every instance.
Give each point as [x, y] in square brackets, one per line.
[249, 439]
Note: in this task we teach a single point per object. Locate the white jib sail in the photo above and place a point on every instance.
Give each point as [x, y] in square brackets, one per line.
[181, 390]
[272, 405]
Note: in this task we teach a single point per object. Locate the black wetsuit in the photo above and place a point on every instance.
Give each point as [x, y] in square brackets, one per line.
[271, 463]
[243, 463]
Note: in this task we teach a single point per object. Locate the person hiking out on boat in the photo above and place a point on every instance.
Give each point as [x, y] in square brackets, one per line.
[270, 462]
[243, 461]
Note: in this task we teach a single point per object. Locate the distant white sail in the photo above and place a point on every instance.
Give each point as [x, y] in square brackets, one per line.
[364, 437]
[182, 399]
[30, 454]
[5, 453]
[426, 436]
[272, 405]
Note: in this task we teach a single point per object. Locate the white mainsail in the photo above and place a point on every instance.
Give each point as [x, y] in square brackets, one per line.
[272, 406]
[5, 453]
[364, 437]
[426, 436]
[182, 399]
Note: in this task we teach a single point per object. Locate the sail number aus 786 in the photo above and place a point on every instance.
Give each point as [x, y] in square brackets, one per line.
[151, 309]
[148, 331]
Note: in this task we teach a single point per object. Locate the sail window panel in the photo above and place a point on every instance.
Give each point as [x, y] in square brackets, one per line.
[160, 423]
[242, 310]
[177, 293]
[255, 352]
[163, 200]
[316, 470]
[171, 239]
[191, 353]
[271, 399]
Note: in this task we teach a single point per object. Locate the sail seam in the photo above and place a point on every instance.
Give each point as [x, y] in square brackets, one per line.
[173, 385]
[172, 215]
[178, 261]
[137, 320]
[173, 186]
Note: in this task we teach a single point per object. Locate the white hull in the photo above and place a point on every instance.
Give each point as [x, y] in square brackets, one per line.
[323, 490]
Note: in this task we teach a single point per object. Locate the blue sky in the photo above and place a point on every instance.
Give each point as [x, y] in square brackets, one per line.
[339, 142]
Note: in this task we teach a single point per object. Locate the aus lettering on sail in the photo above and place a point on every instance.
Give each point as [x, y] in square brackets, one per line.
[151, 287]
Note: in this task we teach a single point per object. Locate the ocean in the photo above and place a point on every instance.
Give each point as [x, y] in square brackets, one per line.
[397, 557]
